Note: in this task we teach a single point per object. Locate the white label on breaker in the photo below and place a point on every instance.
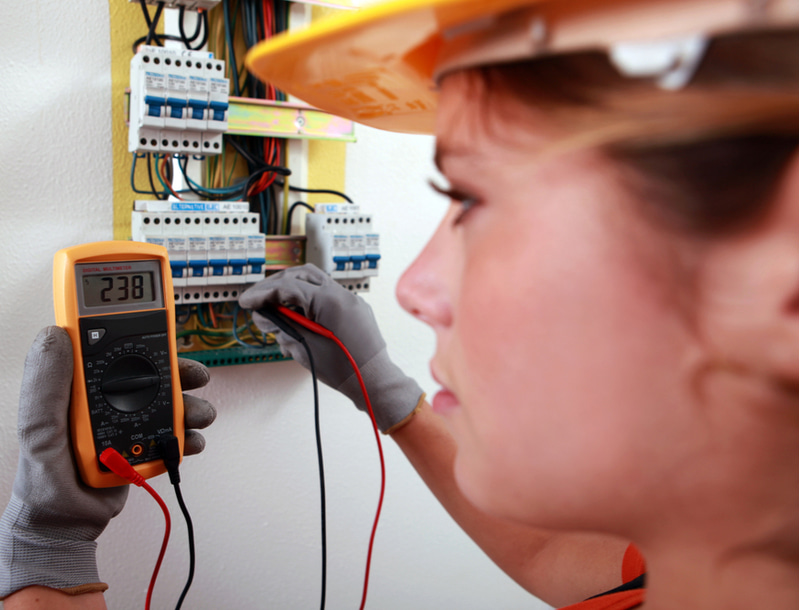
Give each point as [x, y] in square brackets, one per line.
[154, 80]
[219, 85]
[176, 83]
[198, 85]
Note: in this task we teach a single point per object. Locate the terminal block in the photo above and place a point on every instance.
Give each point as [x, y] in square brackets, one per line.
[342, 242]
[178, 102]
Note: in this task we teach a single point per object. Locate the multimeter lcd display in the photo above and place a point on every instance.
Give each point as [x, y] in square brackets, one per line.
[118, 289]
[118, 286]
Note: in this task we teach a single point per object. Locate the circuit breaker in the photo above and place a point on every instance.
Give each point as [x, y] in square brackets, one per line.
[178, 102]
[342, 242]
[216, 249]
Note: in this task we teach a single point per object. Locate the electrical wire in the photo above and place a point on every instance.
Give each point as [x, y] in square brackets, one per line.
[190, 533]
[283, 325]
[120, 466]
[153, 192]
[201, 25]
[171, 455]
[150, 178]
[321, 469]
[157, 38]
[288, 227]
[322, 331]
[323, 191]
[151, 34]
[229, 43]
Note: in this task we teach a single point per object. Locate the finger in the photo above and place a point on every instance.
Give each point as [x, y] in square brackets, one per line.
[46, 386]
[265, 325]
[193, 443]
[295, 286]
[197, 413]
[193, 374]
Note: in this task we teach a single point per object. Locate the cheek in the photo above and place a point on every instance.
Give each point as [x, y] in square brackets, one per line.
[563, 342]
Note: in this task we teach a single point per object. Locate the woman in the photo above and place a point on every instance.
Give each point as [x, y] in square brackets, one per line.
[613, 288]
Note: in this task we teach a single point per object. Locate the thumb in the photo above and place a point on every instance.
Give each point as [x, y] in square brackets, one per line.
[45, 393]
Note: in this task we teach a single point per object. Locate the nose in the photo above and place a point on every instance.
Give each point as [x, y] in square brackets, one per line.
[425, 288]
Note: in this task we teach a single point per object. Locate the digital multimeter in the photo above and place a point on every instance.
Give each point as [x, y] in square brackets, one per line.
[115, 300]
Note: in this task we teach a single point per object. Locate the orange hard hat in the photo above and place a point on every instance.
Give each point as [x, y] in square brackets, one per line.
[379, 65]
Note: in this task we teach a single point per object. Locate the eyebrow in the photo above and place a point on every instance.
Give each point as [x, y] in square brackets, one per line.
[443, 151]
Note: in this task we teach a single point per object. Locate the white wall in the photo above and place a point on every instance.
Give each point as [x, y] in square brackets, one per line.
[254, 492]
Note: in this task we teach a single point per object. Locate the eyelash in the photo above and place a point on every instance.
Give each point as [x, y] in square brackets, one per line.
[466, 202]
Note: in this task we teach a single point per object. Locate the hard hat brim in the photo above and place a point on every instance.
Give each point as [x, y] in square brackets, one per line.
[378, 66]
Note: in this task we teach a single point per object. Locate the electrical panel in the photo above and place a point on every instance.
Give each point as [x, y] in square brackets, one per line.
[216, 249]
[342, 242]
[178, 102]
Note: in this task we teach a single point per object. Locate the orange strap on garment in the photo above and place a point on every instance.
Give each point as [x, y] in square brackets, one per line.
[633, 566]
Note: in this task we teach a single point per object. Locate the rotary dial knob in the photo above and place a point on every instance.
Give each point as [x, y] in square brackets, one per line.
[130, 383]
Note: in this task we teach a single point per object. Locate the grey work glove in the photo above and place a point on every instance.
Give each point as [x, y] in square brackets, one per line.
[394, 396]
[48, 530]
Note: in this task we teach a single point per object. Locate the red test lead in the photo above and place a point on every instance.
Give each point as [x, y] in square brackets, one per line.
[321, 330]
[120, 466]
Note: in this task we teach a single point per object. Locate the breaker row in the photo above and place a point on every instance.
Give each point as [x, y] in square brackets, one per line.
[342, 242]
[179, 102]
[206, 249]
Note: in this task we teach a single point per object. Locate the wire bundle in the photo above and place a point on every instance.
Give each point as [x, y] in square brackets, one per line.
[217, 326]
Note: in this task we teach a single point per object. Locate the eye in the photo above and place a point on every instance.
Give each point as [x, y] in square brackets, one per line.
[466, 201]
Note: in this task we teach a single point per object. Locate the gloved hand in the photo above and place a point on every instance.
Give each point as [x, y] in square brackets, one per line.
[394, 396]
[48, 530]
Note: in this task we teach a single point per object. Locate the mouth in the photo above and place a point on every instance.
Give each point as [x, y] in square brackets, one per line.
[444, 401]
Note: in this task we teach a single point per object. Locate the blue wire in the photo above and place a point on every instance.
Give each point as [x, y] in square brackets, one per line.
[228, 190]
[236, 309]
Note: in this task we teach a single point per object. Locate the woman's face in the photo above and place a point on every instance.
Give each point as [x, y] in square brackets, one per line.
[561, 348]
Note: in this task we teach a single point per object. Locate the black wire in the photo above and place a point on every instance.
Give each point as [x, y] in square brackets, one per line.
[150, 177]
[202, 23]
[137, 156]
[274, 210]
[204, 39]
[290, 330]
[323, 517]
[181, 27]
[324, 191]
[190, 529]
[158, 39]
[291, 211]
[242, 151]
[154, 24]
[143, 4]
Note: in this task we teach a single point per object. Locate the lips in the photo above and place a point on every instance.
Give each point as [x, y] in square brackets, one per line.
[444, 401]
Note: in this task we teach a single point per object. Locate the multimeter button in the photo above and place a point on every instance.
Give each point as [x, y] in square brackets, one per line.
[94, 335]
[130, 383]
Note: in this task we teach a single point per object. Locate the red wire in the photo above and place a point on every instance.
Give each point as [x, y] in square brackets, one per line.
[168, 523]
[120, 466]
[321, 330]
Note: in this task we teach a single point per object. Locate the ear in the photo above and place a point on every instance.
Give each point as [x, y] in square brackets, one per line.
[750, 288]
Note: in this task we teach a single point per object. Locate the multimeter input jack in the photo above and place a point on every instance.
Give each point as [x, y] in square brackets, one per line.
[137, 450]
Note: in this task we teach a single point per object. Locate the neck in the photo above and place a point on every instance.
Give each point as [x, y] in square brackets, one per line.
[743, 578]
